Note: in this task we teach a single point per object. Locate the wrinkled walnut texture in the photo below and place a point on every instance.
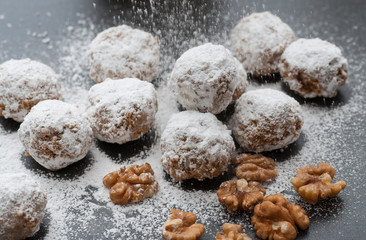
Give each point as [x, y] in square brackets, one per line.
[131, 184]
[231, 232]
[254, 167]
[275, 219]
[313, 183]
[182, 226]
[239, 194]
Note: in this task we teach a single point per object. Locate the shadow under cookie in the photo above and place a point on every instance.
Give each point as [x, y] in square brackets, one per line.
[120, 153]
[342, 97]
[9, 124]
[70, 172]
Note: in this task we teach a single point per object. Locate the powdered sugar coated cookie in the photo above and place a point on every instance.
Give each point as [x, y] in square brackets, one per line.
[266, 120]
[259, 41]
[195, 145]
[208, 78]
[55, 134]
[314, 68]
[22, 206]
[122, 51]
[121, 110]
[24, 83]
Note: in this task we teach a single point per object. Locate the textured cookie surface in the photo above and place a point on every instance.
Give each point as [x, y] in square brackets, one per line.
[265, 120]
[22, 206]
[121, 52]
[121, 110]
[55, 134]
[24, 83]
[208, 78]
[314, 68]
[259, 40]
[195, 145]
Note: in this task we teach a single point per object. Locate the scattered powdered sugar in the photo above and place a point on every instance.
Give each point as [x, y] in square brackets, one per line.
[79, 206]
[205, 78]
[25, 82]
[122, 51]
[71, 134]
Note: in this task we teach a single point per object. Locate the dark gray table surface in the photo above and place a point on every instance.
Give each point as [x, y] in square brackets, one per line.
[342, 22]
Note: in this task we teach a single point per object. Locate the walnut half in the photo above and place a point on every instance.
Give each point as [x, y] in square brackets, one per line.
[254, 167]
[313, 183]
[275, 219]
[239, 194]
[231, 232]
[131, 184]
[182, 226]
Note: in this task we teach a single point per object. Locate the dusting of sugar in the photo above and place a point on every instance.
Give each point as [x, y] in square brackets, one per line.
[258, 41]
[23, 81]
[205, 78]
[72, 134]
[79, 208]
[122, 51]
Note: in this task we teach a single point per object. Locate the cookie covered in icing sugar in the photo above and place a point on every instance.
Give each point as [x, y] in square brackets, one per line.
[208, 78]
[314, 68]
[121, 110]
[56, 134]
[195, 145]
[259, 41]
[122, 52]
[22, 206]
[24, 83]
[266, 120]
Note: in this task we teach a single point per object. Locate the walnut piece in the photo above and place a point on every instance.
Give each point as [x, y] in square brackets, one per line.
[231, 232]
[313, 182]
[182, 226]
[239, 194]
[131, 184]
[254, 167]
[275, 219]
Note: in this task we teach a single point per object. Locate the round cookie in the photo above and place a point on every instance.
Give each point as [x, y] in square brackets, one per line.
[266, 120]
[259, 41]
[121, 110]
[207, 78]
[122, 51]
[196, 145]
[24, 83]
[55, 134]
[22, 206]
[314, 68]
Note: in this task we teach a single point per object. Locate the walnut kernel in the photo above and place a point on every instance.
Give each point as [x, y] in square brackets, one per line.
[231, 232]
[182, 226]
[313, 182]
[254, 167]
[275, 219]
[131, 184]
[239, 194]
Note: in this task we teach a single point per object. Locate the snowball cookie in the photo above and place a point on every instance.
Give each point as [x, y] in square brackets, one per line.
[206, 78]
[121, 52]
[195, 145]
[55, 134]
[314, 68]
[22, 206]
[265, 120]
[259, 41]
[121, 110]
[24, 83]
